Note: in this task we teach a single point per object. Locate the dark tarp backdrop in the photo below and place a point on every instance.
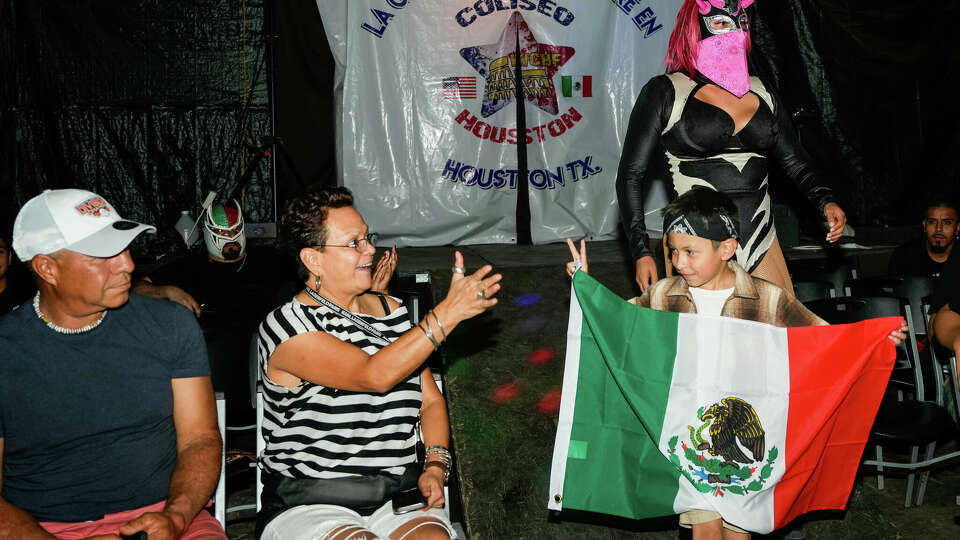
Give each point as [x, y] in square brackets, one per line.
[145, 102]
[148, 101]
[870, 87]
[303, 76]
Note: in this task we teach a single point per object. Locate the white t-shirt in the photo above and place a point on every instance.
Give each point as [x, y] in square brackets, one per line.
[710, 302]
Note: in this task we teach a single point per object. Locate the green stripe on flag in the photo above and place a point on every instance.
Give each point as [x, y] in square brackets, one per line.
[566, 84]
[626, 365]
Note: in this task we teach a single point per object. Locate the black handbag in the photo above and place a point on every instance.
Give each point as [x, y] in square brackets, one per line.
[362, 494]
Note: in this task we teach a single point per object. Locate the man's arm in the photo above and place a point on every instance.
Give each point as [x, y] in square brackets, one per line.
[198, 461]
[15, 524]
[147, 287]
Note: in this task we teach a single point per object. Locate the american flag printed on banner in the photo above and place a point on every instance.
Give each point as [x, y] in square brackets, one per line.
[460, 88]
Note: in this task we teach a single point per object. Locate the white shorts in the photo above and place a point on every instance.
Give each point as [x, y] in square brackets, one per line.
[315, 521]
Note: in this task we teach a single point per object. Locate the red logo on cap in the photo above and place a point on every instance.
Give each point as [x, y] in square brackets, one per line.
[94, 207]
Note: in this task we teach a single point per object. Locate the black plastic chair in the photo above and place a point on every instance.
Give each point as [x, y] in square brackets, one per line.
[939, 355]
[913, 422]
[889, 306]
[871, 286]
[915, 289]
[841, 310]
[813, 290]
[832, 272]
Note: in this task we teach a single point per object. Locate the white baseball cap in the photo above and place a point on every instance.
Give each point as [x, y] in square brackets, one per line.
[73, 219]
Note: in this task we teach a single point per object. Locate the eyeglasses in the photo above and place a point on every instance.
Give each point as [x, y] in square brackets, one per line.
[358, 244]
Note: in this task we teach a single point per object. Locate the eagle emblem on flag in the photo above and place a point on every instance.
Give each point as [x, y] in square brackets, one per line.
[737, 437]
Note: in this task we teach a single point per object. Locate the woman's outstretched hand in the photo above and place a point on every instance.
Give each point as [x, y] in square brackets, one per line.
[646, 272]
[579, 257]
[836, 220]
[469, 295]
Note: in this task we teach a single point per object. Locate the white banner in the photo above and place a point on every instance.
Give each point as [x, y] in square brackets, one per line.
[428, 120]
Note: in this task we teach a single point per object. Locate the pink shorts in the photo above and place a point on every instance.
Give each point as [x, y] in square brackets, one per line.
[202, 526]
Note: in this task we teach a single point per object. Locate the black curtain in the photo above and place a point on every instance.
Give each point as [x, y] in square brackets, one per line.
[869, 86]
[146, 102]
[303, 78]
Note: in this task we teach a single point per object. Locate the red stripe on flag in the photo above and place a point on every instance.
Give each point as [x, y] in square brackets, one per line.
[468, 87]
[587, 86]
[837, 378]
[459, 88]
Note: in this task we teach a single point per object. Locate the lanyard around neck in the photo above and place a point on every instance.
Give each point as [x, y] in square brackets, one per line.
[352, 317]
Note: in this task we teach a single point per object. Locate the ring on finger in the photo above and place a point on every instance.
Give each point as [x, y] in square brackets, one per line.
[458, 270]
[482, 293]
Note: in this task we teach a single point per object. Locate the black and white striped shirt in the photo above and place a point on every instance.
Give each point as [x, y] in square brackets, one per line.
[313, 431]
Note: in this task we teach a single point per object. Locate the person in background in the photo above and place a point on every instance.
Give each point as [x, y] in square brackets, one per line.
[927, 255]
[107, 417]
[15, 287]
[713, 125]
[945, 308]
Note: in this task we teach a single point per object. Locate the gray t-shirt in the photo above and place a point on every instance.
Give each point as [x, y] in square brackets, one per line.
[87, 419]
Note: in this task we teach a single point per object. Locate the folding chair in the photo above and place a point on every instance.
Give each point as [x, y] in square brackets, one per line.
[911, 422]
[951, 359]
[840, 310]
[871, 286]
[220, 493]
[829, 271]
[813, 290]
[915, 289]
[255, 402]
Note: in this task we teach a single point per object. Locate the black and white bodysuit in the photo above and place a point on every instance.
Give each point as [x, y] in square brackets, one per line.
[698, 144]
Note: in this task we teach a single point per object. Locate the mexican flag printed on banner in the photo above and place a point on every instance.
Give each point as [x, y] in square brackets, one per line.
[665, 412]
[579, 86]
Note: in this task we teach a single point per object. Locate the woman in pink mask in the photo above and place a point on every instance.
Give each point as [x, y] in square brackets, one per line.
[708, 123]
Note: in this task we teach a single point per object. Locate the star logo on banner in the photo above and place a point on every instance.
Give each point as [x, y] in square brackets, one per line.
[496, 63]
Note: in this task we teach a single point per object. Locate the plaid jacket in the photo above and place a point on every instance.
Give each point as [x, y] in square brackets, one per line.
[753, 299]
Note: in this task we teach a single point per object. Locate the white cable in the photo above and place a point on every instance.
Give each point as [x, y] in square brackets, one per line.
[206, 204]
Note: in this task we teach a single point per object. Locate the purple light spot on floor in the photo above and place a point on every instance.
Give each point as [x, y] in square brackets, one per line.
[527, 299]
[533, 324]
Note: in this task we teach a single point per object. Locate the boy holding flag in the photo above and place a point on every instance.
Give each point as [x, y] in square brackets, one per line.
[701, 232]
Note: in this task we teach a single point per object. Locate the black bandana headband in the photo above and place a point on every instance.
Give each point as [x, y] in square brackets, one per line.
[718, 227]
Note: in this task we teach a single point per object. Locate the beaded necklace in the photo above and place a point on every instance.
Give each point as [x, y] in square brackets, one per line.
[59, 329]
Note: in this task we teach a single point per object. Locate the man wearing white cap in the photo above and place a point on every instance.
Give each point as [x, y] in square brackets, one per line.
[107, 417]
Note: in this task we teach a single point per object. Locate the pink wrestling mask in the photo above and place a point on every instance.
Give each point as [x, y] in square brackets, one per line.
[722, 51]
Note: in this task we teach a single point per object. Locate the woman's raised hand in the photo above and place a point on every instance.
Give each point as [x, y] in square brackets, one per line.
[469, 295]
[384, 271]
[579, 257]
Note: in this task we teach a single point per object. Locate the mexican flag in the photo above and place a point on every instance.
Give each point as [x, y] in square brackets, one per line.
[666, 412]
[576, 86]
